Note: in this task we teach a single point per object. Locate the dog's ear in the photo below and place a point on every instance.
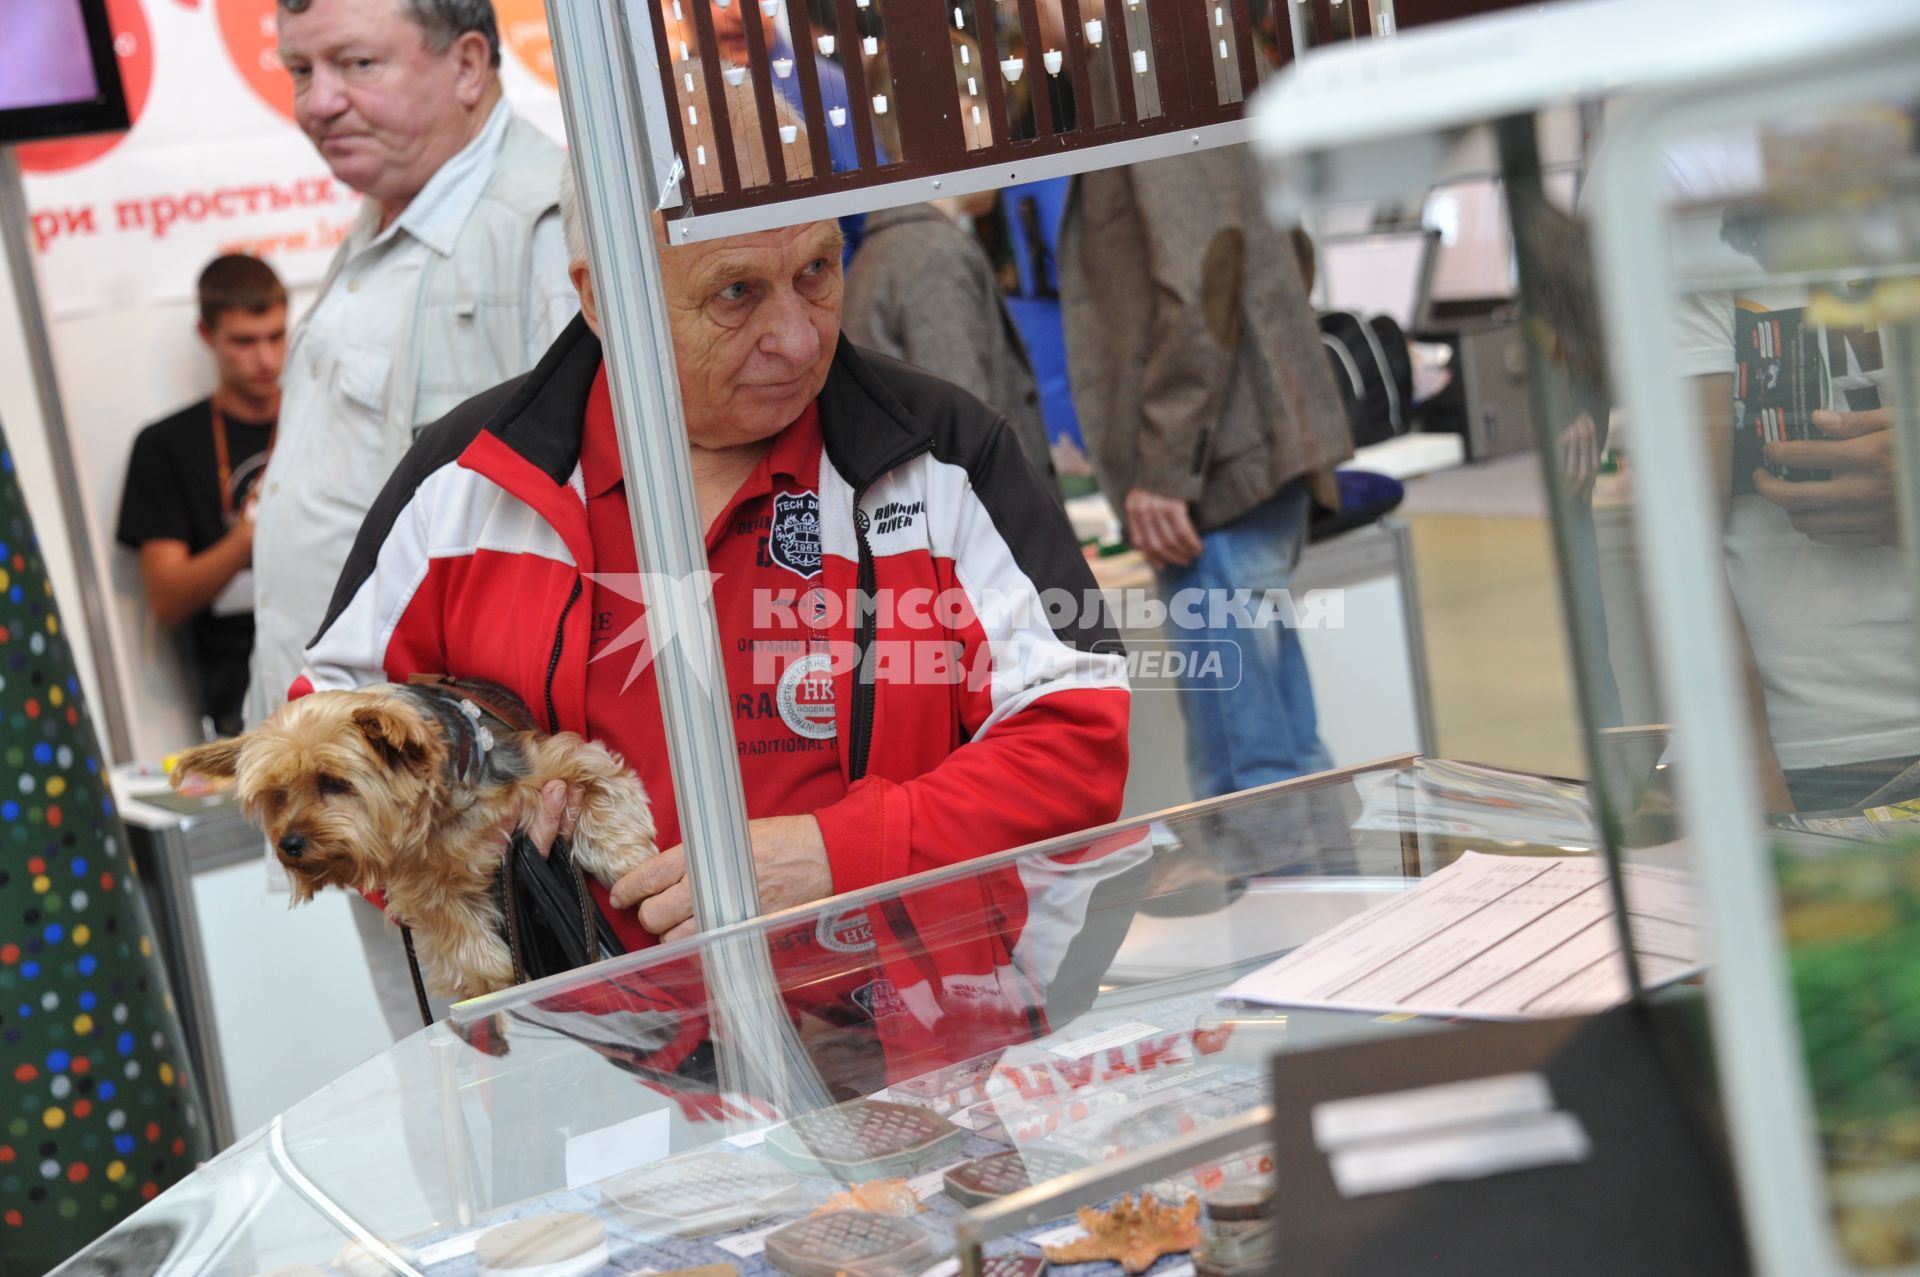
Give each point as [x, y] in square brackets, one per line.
[216, 760]
[397, 731]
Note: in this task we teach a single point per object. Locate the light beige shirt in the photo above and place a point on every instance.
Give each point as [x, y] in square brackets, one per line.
[332, 456]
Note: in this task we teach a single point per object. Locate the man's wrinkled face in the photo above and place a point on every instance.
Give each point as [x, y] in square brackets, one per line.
[755, 320]
[384, 109]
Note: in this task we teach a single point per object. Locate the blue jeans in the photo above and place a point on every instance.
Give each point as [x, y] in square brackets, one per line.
[1264, 729]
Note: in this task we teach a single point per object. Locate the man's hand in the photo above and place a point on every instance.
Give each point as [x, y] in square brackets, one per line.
[789, 861]
[559, 809]
[241, 537]
[1857, 506]
[180, 584]
[1161, 528]
[1580, 456]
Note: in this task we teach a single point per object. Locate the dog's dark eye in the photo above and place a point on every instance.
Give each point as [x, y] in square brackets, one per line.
[334, 785]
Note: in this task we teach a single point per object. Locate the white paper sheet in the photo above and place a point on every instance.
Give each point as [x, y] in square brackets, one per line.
[1400, 1114]
[621, 1147]
[1539, 1139]
[1100, 1040]
[1493, 938]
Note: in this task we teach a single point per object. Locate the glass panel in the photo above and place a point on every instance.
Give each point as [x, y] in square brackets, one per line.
[1793, 248]
[1796, 236]
[1061, 1001]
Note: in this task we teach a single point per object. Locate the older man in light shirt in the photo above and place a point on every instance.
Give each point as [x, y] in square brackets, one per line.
[453, 279]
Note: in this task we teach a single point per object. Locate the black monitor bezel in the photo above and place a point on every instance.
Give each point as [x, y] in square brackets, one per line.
[105, 112]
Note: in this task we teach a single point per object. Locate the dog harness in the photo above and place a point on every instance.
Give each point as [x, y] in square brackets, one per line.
[547, 915]
[474, 717]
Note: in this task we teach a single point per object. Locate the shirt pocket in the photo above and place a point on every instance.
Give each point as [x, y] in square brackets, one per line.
[351, 461]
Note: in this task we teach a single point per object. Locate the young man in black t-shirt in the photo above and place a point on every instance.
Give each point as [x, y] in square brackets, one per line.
[188, 504]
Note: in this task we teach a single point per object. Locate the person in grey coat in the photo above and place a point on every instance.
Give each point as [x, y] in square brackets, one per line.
[1213, 424]
[921, 289]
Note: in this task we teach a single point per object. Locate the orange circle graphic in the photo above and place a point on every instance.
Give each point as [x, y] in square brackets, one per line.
[133, 50]
[523, 29]
[248, 29]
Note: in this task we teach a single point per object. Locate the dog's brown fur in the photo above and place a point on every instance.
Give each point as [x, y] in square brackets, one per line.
[362, 777]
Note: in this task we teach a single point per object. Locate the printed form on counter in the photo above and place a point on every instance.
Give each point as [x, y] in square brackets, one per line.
[1494, 938]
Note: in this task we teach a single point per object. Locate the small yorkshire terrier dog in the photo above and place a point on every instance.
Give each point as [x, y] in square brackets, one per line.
[406, 790]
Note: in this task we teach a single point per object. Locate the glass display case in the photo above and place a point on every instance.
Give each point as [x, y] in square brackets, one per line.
[1728, 308]
[1047, 1017]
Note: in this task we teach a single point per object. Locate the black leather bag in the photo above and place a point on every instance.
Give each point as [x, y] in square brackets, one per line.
[552, 924]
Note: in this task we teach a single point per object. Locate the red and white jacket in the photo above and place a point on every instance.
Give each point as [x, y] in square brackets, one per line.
[470, 564]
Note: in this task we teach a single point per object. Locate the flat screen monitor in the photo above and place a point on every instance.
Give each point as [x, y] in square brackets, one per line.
[58, 76]
[1475, 260]
[1348, 219]
[1380, 274]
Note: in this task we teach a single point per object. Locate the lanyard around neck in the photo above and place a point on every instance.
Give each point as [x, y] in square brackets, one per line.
[220, 453]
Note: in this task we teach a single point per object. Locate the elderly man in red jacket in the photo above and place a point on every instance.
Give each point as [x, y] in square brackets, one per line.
[981, 705]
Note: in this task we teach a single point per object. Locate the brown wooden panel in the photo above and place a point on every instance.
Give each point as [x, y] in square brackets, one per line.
[1241, 20]
[1421, 13]
[709, 46]
[800, 31]
[925, 100]
[765, 99]
[1184, 71]
[1035, 70]
[1077, 51]
[927, 108]
[987, 35]
[859, 108]
[1122, 54]
[667, 49]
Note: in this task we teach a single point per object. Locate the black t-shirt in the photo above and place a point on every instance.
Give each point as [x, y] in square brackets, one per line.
[173, 494]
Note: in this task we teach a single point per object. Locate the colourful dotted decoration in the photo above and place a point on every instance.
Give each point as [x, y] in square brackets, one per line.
[97, 1113]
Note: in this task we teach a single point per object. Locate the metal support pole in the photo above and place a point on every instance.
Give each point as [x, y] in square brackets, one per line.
[15, 218]
[612, 154]
[1406, 577]
[456, 1142]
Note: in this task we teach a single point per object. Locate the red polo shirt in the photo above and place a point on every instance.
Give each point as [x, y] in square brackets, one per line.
[783, 718]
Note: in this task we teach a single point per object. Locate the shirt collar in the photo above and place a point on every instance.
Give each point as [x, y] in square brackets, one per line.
[436, 214]
[794, 457]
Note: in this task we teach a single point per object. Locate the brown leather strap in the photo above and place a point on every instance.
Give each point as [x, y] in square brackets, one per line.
[491, 698]
[419, 985]
[510, 916]
[587, 929]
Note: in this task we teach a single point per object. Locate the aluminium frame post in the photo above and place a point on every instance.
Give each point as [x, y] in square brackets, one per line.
[616, 161]
[110, 713]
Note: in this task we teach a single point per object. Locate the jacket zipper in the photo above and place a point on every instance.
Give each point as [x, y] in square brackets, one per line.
[553, 662]
[860, 746]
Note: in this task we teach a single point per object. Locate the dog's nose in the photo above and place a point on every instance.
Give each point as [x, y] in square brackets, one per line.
[293, 844]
